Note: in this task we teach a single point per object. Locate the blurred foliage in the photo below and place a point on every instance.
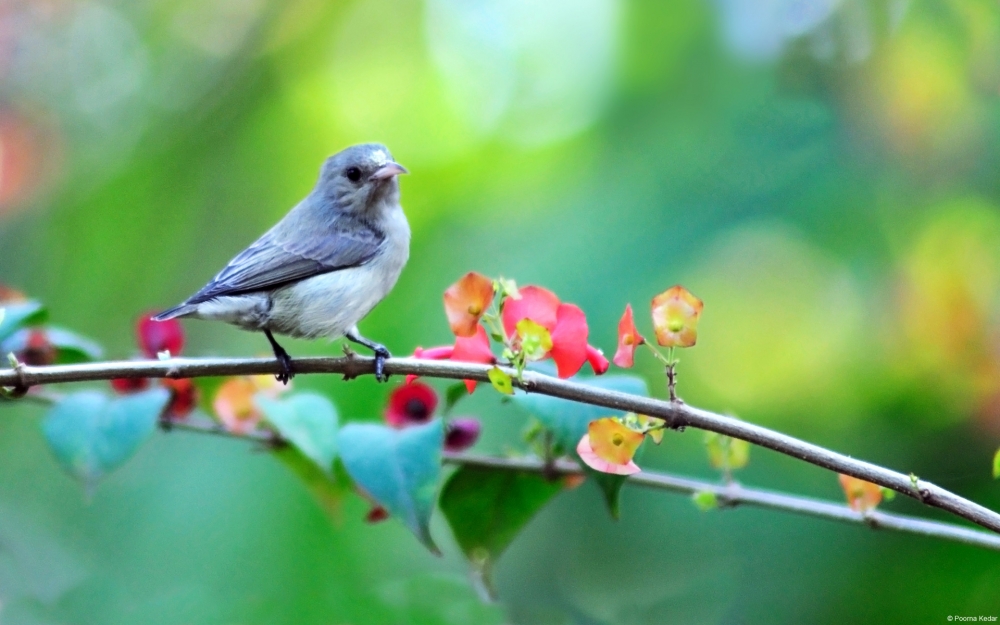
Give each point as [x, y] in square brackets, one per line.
[822, 175]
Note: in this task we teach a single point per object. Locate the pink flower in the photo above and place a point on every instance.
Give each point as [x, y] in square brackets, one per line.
[566, 324]
[628, 339]
[159, 336]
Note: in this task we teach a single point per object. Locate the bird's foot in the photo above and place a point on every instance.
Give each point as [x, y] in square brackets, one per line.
[286, 372]
[381, 353]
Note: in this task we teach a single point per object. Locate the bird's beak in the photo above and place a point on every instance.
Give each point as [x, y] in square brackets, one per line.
[388, 170]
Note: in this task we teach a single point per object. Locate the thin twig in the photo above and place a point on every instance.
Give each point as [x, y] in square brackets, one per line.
[675, 413]
[728, 495]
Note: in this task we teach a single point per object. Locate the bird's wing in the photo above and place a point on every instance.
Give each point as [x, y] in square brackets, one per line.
[272, 262]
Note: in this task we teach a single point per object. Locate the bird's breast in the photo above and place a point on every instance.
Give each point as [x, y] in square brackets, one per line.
[330, 304]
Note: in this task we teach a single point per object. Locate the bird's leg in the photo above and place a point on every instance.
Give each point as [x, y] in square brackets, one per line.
[284, 359]
[381, 353]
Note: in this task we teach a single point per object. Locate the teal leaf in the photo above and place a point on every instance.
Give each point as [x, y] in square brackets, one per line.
[91, 434]
[398, 468]
[568, 420]
[70, 347]
[306, 420]
[18, 314]
[487, 507]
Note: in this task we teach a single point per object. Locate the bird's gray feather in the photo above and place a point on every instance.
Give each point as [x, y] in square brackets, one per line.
[274, 261]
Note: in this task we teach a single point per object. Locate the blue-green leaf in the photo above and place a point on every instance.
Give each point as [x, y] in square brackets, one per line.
[400, 469]
[18, 314]
[92, 434]
[306, 420]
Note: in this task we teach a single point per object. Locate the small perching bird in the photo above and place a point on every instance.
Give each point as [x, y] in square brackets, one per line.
[324, 266]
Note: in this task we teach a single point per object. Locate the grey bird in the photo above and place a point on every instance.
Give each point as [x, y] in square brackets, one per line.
[324, 266]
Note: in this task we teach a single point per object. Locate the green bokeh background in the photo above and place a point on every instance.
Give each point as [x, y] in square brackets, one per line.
[823, 174]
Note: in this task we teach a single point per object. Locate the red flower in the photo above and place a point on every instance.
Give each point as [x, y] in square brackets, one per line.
[158, 336]
[376, 515]
[410, 404]
[183, 397]
[38, 350]
[475, 348]
[124, 386]
[461, 434]
[628, 339]
[566, 324]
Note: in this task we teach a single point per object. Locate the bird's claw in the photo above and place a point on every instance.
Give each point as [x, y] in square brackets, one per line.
[381, 353]
[286, 372]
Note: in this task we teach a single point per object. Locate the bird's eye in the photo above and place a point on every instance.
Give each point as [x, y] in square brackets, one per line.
[353, 174]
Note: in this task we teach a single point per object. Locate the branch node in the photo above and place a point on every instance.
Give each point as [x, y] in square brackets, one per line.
[20, 389]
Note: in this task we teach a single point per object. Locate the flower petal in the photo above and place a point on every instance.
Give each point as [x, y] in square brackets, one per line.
[466, 301]
[183, 397]
[861, 495]
[598, 362]
[475, 348]
[569, 340]
[461, 433]
[234, 405]
[613, 440]
[628, 339]
[411, 404]
[675, 317]
[536, 303]
[595, 462]
[159, 336]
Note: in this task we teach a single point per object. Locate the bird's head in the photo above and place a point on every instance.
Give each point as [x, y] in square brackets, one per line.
[360, 178]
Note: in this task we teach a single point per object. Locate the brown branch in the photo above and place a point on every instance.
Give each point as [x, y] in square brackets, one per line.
[675, 413]
[727, 495]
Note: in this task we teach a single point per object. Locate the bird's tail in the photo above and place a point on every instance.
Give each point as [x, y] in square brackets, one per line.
[176, 311]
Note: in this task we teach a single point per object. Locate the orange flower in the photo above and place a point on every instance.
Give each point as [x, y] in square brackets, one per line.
[608, 447]
[675, 317]
[861, 495]
[234, 403]
[628, 339]
[466, 301]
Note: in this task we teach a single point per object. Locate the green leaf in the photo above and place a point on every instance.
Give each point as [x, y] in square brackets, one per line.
[71, 348]
[501, 381]
[568, 420]
[306, 420]
[725, 452]
[705, 500]
[328, 488]
[455, 393]
[92, 434]
[996, 465]
[611, 485]
[18, 314]
[398, 468]
[486, 508]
